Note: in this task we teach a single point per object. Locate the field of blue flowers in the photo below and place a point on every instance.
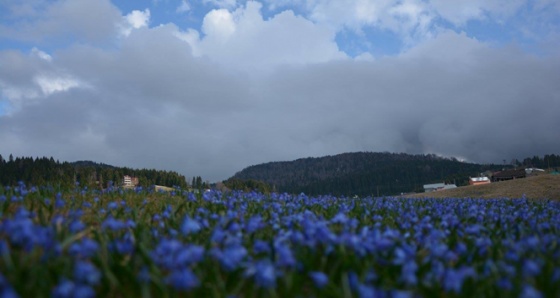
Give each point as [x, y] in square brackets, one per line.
[139, 243]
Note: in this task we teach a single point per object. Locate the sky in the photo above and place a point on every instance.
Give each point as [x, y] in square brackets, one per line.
[207, 88]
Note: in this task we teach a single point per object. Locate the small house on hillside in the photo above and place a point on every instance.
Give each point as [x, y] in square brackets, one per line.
[129, 181]
[438, 186]
[509, 175]
[478, 180]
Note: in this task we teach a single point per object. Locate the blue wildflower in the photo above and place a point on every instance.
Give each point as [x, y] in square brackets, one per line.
[76, 226]
[190, 255]
[353, 280]
[408, 273]
[371, 276]
[59, 203]
[113, 224]
[284, 256]
[265, 274]
[165, 251]
[253, 224]
[384, 244]
[65, 289]
[530, 292]
[130, 223]
[112, 205]
[401, 294]
[144, 275]
[86, 248]
[556, 275]
[69, 289]
[6, 289]
[260, 246]
[4, 249]
[531, 268]
[183, 279]
[190, 226]
[504, 284]
[474, 229]
[234, 227]
[339, 218]
[365, 291]
[124, 246]
[454, 278]
[86, 273]
[217, 235]
[231, 257]
[320, 279]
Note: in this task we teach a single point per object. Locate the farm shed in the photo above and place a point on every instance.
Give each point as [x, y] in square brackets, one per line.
[509, 175]
[438, 186]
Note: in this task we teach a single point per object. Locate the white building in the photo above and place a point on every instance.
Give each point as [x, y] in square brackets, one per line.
[129, 181]
[438, 186]
[478, 180]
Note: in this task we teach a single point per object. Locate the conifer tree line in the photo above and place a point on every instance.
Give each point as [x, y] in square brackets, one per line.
[198, 184]
[46, 171]
[548, 161]
[248, 185]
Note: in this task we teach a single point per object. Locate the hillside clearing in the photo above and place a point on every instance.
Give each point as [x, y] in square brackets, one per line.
[537, 187]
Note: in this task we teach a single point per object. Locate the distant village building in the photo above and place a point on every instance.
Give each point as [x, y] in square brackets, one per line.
[534, 171]
[479, 180]
[129, 181]
[160, 188]
[438, 186]
[509, 175]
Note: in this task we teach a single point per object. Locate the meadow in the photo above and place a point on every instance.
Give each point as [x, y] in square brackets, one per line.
[142, 243]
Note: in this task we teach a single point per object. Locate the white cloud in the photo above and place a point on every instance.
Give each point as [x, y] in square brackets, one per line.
[359, 13]
[41, 54]
[50, 84]
[409, 19]
[191, 37]
[222, 3]
[413, 21]
[27, 79]
[15, 94]
[244, 40]
[219, 25]
[183, 7]
[135, 20]
[461, 11]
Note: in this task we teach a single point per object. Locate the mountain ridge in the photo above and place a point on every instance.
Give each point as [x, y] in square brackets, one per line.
[362, 173]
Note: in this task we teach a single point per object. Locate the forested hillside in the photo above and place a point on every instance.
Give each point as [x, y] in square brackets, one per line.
[47, 171]
[368, 173]
[363, 173]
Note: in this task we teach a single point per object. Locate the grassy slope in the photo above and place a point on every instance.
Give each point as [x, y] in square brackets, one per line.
[536, 187]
